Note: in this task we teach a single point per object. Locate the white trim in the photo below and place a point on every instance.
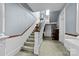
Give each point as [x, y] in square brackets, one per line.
[3, 29]
[77, 20]
[64, 22]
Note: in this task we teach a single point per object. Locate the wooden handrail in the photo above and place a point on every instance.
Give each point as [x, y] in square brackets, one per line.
[71, 34]
[26, 29]
[18, 34]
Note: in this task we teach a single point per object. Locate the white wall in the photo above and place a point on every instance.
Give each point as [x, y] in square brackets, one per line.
[62, 26]
[54, 16]
[72, 44]
[13, 45]
[37, 16]
[2, 41]
[2, 47]
[72, 25]
[71, 14]
[17, 19]
[1, 18]
[47, 32]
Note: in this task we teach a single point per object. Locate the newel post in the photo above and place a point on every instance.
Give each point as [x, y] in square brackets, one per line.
[36, 37]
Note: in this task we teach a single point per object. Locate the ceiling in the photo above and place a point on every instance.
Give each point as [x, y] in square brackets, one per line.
[43, 6]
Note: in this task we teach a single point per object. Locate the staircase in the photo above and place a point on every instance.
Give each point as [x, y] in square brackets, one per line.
[28, 48]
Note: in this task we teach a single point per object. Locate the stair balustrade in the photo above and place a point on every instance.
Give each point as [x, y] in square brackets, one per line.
[38, 32]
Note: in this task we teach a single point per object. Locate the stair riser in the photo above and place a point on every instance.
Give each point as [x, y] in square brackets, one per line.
[28, 45]
[32, 34]
[31, 45]
[30, 40]
[31, 37]
[28, 50]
